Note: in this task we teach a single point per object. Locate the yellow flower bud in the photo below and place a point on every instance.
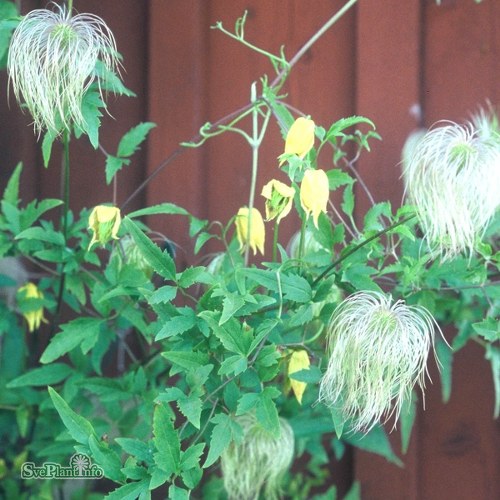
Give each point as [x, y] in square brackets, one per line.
[105, 222]
[257, 235]
[314, 193]
[300, 137]
[299, 360]
[279, 199]
[33, 316]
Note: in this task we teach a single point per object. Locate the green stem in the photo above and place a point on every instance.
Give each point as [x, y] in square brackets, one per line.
[65, 196]
[275, 241]
[255, 164]
[279, 80]
[302, 240]
[70, 5]
[357, 247]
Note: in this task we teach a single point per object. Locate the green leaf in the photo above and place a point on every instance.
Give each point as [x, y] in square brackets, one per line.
[348, 201]
[91, 103]
[493, 355]
[338, 178]
[11, 192]
[107, 459]
[376, 441]
[355, 492]
[48, 141]
[178, 324]
[130, 491]
[79, 428]
[161, 262]
[166, 440]
[113, 166]
[74, 333]
[339, 126]
[407, 419]
[191, 457]
[266, 411]
[133, 138]
[445, 356]
[193, 275]
[312, 375]
[186, 360]
[161, 209]
[45, 375]
[137, 448]
[489, 329]
[191, 406]
[225, 431]
[233, 337]
[42, 234]
[176, 493]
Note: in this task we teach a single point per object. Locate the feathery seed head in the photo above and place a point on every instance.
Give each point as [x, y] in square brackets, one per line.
[51, 64]
[259, 462]
[451, 176]
[377, 353]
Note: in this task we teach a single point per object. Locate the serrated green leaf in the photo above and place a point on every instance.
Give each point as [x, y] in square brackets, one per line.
[338, 178]
[164, 294]
[131, 141]
[11, 192]
[91, 103]
[407, 419]
[231, 334]
[166, 440]
[348, 201]
[42, 234]
[161, 262]
[233, 365]
[74, 333]
[191, 406]
[309, 376]
[45, 375]
[113, 166]
[376, 441]
[48, 141]
[130, 491]
[493, 355]
[266, 412]
[79, 428]
[186, 360]
[137, 448]
[489, 329]
[178, 324]
[161, 209]
[107, 459]
[225, 431]
[231, 304]
[193, 275]
[176, 493]
[191, 457]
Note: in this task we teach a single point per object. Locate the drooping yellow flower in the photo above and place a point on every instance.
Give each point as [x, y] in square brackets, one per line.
[300, 137]
[33, 316]
[279, 199]
[299, 360]
[314, 193]
[257, 236]
[105, 222]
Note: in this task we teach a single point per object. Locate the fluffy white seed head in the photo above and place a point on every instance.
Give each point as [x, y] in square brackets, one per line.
[378, 352]
[51, 63]
[451, 175]
[258, 463]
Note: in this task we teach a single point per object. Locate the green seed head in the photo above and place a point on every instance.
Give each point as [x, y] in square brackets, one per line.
[52, 58]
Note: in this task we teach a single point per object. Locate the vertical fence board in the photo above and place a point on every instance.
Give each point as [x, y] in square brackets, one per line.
[388, 61]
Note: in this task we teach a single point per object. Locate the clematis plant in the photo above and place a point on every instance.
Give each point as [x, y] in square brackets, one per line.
[232, 376]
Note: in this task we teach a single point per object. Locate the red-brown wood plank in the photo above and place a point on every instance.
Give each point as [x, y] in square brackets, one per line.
[387, 86]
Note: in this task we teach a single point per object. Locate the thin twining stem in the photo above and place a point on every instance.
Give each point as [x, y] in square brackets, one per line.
[234, 114]
[354, 249]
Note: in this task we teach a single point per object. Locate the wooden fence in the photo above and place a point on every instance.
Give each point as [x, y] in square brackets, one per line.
[402, 63]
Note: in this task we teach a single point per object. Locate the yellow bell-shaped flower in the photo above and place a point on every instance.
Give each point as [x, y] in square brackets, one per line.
[279, 199]
[299, 360]
[257, 236]
[314, 193]
[34, 317]
[300, 137]
[105, 222]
